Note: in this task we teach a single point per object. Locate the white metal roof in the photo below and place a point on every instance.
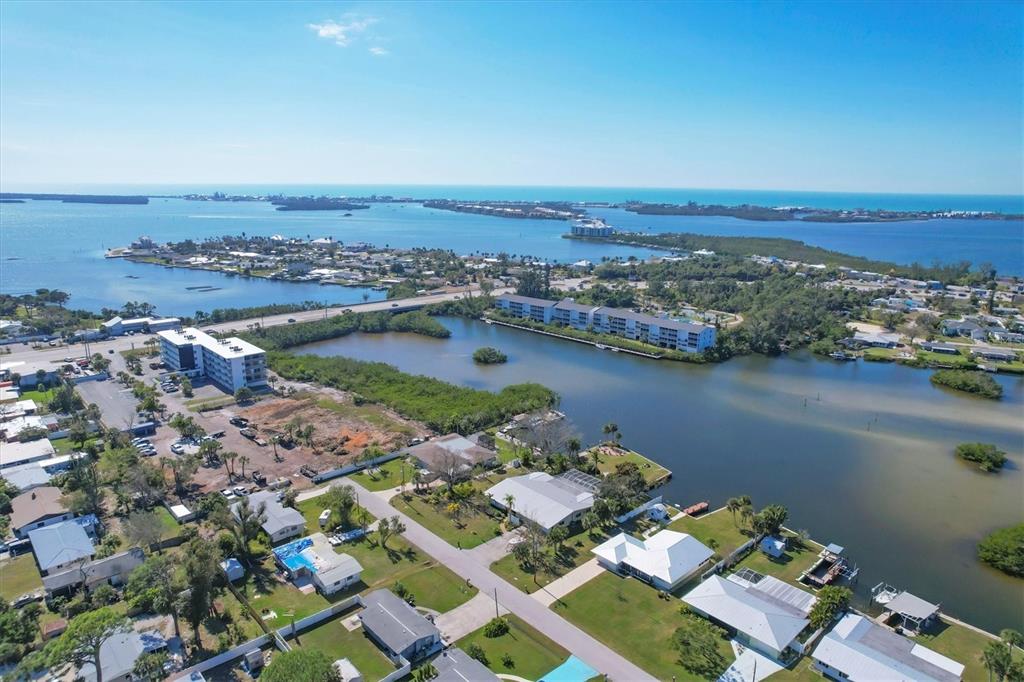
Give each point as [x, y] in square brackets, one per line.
[542, 498]
[866, 652]
[773, 622]
[667, 555]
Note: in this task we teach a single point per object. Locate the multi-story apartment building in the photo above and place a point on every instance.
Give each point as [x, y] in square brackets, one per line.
[690, 337]
[536, 309]
[591, 227]
[230, 363]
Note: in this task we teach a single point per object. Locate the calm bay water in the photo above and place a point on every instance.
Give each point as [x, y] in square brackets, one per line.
[54, 245]
[861, 453]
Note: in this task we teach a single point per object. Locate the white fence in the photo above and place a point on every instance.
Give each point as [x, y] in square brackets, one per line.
[226, 657]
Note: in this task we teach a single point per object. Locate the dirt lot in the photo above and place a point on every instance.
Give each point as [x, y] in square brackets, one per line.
[341, 432]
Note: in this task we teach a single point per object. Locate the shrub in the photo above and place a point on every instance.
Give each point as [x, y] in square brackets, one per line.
[1004, 549]
[988, 456]
[698, 643]
[496, 627]
[476, 651]
[489, 356]
[831, 601]
[968, 382]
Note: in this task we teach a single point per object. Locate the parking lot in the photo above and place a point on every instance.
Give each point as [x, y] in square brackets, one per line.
[116, 403]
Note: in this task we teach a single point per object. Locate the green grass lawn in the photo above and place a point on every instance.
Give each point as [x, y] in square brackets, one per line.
[506, 451]
[65, 445]
[18, 576]
[386, 476]
[651, 470]
[474, 526]
[532, 653]
[171, 528]
[717, 525]
[232, 624]
[575, 553]
[627, 616]
[881, 353]
[801, 672]
[963, 359]
[334, 640]
[789, 566]
[42, 398]
[962, 645]
[374, 414]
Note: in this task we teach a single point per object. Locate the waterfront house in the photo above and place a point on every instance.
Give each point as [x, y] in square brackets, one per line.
[689, 337]
[765, 613]
[61, 546]
[873, 340]
[859, 650]
[536, 309]
[994, 354]
[400, 630]
[546, 500]
[944, 348]
[452, 456]
[282, 522]
[664, 560]
[37, 508]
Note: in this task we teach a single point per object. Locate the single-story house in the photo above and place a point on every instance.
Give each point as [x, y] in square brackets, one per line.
[765, 613]
[452, 454]
[17, 408]
[13, 454]
[112, 570]
[118, 654]
[664, 560]
[61, 546]
[181, 513]
[944, 348]
[546, 500]
[995, 354]
[398, 628]
[26, 477]
[455, 665]
[961, 328]
[30, 373]
[875, 339]
[859, 650]
[915, 614]
[36, 508]
[282, 522]
[314, 557]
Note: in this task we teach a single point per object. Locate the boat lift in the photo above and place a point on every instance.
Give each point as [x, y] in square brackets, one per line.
[830, 567]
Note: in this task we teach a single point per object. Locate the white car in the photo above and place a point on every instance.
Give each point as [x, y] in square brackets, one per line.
[177, 449]
[228, 495]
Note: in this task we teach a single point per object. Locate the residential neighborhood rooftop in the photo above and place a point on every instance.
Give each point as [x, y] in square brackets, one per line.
[393, 621]
[60, 544]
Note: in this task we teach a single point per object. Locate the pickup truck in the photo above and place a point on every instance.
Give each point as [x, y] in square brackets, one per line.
[259, 441]
[248, 433]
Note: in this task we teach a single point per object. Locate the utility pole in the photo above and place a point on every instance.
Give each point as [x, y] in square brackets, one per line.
[497, 614]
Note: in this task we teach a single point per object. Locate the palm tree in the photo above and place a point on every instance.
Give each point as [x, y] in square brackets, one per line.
[733, 505]
[746, 514]
[611, 429]
[573, 446]
[243, 460]
[510, 501]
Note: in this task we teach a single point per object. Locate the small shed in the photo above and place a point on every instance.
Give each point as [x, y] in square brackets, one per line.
[233, 569]
[253, 660]
[347, 671]
[773, 546]
[181, 513]
[657, 512]
[54, 629]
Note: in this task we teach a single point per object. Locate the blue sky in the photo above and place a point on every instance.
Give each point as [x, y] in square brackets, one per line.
[886, 97]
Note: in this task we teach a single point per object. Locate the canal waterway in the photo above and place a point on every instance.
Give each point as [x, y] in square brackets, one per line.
[860, 453]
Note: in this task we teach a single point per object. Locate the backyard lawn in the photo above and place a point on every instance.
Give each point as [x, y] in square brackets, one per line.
[385, 476]
[532, 653]
[334, 640]
[232, 624]
[801, 672]
[789, 566]
[627, 616]
[169, 527]
[717, 525]
[475, 527]
[575, 553]
[40, 397]
[962, 645]
[610, 457]
[18, 576]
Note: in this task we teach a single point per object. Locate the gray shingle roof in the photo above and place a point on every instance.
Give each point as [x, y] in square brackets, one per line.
[59, 544]
[455, 665]
[394, 622]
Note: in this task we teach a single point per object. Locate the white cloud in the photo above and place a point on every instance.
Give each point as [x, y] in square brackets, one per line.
[342, 32]
[378, 51]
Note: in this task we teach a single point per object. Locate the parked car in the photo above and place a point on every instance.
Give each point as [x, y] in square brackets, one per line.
[177, 448]
[228, 494]
[217, 434]
[248, 433]
[308, 471]
[259, 441]
[394, 305]
[241, 490]
[239, 421]
[291, 320]
[258, 478]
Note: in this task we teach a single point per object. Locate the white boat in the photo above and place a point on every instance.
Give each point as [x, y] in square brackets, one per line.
[600, 346]
[487, 321]
[614, 349]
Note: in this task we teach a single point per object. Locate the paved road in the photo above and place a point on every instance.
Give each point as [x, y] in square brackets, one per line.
[592, 652]
[56, 355]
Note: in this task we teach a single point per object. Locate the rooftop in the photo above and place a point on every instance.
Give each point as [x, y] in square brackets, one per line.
[543, 498]
[35, 505]
[433, 453]
[454, 665]
[19, 453]
[865, 651]
[119, 652]
[394, 622]
[667, 555]
[910, 605]
[279, 517]
[232, 347]
[59, 544]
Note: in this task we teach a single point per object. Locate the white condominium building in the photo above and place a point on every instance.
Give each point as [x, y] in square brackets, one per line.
[230, 363]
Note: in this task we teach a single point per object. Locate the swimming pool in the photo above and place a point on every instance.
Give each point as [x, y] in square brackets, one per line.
[573, 670]
[291, 557]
